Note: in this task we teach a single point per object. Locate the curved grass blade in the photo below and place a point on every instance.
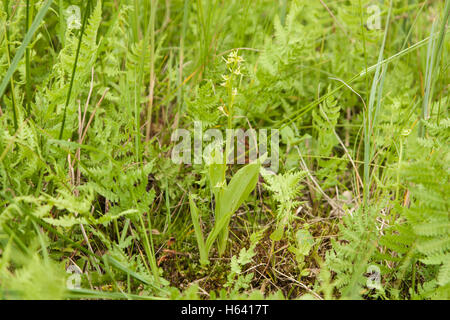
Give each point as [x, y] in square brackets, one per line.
[95, 294]
[198, 232]
[20, 52]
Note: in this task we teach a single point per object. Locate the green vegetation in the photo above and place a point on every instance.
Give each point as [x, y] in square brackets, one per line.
[93, 206]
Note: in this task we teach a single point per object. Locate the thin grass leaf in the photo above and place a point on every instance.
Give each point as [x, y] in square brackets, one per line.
[20, 52]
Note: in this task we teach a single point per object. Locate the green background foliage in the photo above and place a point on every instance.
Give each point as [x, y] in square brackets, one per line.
[86, 177]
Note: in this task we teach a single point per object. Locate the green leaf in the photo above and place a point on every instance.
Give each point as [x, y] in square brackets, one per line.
[277, 234]
[65, 221]
[198, 232]
[241, 185]
[216, 174]
[305, 241]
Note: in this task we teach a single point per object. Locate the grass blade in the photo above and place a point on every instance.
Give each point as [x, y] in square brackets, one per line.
[20, 52]
[74, 68]
[198, 232]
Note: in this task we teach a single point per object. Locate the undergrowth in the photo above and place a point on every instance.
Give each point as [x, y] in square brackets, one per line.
[93, 206]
